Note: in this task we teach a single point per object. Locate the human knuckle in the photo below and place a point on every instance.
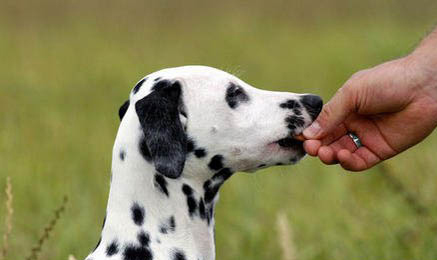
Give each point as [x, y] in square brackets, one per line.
[325, 114]
[360, 74]
[347, 90]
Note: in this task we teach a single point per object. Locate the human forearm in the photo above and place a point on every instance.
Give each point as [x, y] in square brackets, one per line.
[421, 66]
[426, 52]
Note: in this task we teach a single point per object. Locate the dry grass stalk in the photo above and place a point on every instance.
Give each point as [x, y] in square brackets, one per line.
[8, 219]
[71, 257]
[47, 231]
[285, 237]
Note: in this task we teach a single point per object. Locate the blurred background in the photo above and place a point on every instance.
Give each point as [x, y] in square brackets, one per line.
[67, 66]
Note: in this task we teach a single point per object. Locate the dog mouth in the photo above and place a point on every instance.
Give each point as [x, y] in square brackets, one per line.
[291, 142]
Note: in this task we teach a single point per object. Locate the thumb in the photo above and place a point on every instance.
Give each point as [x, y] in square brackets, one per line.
[332, 114]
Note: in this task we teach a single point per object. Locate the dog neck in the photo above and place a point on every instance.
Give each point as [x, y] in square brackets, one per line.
[150, 216]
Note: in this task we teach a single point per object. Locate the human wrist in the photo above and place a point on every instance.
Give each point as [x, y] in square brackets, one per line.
[422, 71]
[425, 59]
[422, 68]
[419, 81]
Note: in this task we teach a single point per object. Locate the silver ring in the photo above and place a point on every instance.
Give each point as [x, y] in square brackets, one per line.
[355, 139]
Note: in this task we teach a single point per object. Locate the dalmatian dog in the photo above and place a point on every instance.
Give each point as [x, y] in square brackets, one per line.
[185, 131]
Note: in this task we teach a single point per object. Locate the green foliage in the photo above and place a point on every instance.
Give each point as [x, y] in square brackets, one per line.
[66, 67]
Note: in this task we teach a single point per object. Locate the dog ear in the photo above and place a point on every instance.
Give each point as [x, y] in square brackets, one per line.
[122, 110]
[164, 136]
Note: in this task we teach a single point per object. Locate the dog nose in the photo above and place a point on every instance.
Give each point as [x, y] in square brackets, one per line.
[313, 104]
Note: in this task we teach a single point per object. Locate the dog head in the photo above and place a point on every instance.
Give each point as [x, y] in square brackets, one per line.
[193, 113]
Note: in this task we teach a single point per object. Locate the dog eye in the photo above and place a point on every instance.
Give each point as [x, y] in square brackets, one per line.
[235, 95]
[236, 92]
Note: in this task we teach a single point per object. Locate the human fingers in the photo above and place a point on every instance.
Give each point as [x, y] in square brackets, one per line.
[312, 146]
[334, 135]
[360, 160]
[332, 114]
[328, 153]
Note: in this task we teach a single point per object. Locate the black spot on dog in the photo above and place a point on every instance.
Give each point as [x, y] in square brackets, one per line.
[158, 78]
[200, 152]
[235, 95]
[122, 155]
[202, 211]
[211, 213]
[138, 85]
[210, 191]
[161, 184]
[190, 145]
[132, 252]
[216, 162]
[161, 84]
[172, 223]
[191, 201]
[289, 142]
[297, 112]
[137, 214]
[222, 175]
[144, 150]
[290, 104]
[122, 110]
[211, 187]
[163, 229]
[143, 239]
[261, 165]
[187, 190]
[112, 249]
[168, 226]
[178, 255]
[294, 122]
[192, 205]
[182, 111]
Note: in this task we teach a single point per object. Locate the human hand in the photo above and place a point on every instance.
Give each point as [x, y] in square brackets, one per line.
[390, 107]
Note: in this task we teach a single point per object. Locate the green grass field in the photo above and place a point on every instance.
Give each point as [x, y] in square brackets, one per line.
[66, 67]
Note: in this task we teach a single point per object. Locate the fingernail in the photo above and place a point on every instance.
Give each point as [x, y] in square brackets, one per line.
[312, 130]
